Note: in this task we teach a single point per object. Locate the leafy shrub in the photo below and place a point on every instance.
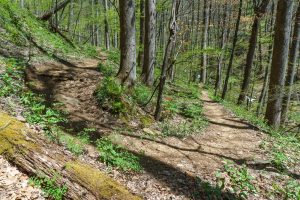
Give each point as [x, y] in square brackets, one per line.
[141, 94]
[10, 80]
[106, 69]
[291, 190]
[191, 111]
[109, 95]
[240, 180]
[115, 155]
[49, 187]
[279, 160]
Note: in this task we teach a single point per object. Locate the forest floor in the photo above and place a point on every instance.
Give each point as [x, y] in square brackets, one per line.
[173, 168]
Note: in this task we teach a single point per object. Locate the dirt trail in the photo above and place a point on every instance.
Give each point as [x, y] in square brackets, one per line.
[171, 164]
[176, 162]
[227, 137]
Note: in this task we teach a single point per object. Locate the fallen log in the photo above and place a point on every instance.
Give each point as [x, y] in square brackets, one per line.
[34, 155]
[48, 14]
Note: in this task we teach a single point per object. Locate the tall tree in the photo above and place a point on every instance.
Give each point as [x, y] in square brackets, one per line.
[149, 43]
[127, 70]
[167, 55]
[204, 41]
[279, 61]
[106, 26]
[237, 25]
[259, 10]
[142, 33]
[294, 52]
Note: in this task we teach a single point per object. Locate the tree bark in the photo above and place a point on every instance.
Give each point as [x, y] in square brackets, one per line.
[294, 51]
[142, 34]
[204, 41]
[259, 12]
[127, 71]
[279, 62]
[106, 26]
[232, 50]
[167, 55]
[149, 43]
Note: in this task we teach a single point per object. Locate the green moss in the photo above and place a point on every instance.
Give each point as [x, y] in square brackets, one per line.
[12, 135]
[102, 186]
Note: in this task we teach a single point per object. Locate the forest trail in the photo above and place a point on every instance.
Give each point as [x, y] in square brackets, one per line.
[177, 162]
[171, 164]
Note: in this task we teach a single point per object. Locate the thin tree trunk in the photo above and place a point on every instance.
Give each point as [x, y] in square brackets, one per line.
[204, 41]
[166, 61]
[232, 50]
[142, 34]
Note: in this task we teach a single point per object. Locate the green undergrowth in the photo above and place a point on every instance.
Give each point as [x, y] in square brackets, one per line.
[115, 155]
[49, 186]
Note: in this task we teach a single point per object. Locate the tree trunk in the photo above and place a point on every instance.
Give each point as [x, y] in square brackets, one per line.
[221, 56]
[35, 155]
[279, 61]
[149, 43]
[259, 12]
[127, 71]
[232, 50]
[142, 34]
[294, 51]
[166, 61]
[106, 26]
[204, 41]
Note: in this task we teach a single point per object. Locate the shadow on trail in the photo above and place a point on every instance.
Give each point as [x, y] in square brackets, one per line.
[256, 165]
[182, 183]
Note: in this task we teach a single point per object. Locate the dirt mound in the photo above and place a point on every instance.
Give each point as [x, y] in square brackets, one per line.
[72, 84]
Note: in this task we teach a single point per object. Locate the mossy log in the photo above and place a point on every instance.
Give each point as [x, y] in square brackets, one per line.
[33, 154]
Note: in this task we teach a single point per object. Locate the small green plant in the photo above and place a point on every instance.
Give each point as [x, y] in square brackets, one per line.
[49, 187]
[109, 95]
[141, 94]
[240, 180]
[291, 190]
[191, 110]
[115, 155]
[279, 160]
[106, 69]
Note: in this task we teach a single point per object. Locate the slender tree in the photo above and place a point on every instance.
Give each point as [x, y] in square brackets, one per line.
[167, 55]
[232, 50]
[259, 11]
